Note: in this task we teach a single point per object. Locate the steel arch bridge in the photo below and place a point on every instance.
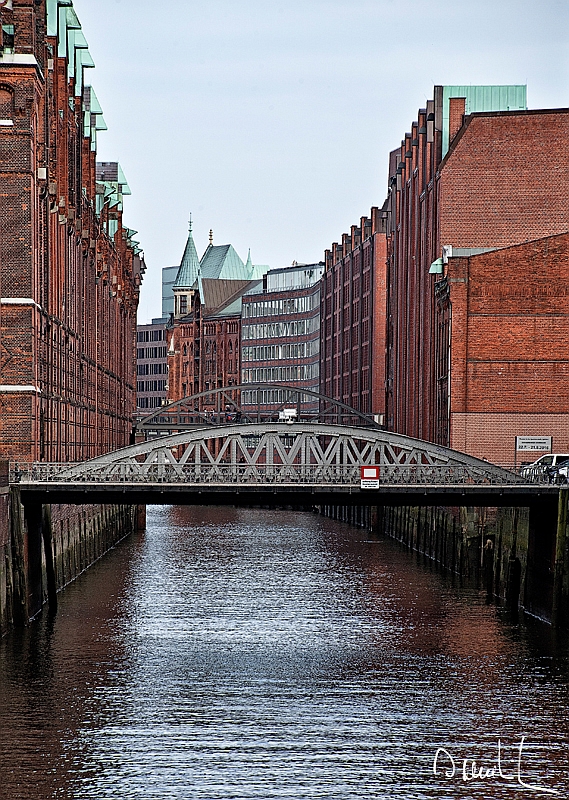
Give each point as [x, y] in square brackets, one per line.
[303, 459]
[288, 456]
[224, 404]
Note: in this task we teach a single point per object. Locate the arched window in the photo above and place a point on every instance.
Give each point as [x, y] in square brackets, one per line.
[185, 349]
[230, 346]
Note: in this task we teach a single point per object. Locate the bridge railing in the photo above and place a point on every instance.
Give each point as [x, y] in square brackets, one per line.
[133, 472]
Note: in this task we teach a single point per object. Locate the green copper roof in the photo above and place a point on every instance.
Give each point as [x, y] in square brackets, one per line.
[222, 261]
[189, 265]
[219, 262]
[111, 185]
[483, 98]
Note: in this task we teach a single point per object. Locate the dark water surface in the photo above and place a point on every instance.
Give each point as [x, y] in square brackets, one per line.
[232, 653]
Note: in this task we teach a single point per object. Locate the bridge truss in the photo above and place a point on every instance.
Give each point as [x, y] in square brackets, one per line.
[277, 454]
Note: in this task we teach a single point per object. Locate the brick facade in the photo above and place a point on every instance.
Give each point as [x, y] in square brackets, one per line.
[412, 246]
[352, 341]
[508, 373]
[500, 185]
[69, 270]
[203, 354]
[503, 181]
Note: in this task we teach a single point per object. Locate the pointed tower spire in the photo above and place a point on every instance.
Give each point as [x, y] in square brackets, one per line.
[249, 264]
[189, 265]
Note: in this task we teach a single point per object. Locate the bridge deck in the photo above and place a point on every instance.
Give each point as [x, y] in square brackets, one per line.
[289, 494]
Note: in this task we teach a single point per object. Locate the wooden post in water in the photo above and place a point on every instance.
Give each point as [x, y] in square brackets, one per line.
[47, 539]
[140, 519]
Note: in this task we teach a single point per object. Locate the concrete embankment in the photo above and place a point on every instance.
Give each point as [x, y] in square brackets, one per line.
[43, 548]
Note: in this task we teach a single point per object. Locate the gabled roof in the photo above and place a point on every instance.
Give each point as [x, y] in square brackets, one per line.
[189, 265]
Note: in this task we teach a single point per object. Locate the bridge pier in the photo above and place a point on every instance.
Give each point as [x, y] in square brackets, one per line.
[140, 519]
[39, 563]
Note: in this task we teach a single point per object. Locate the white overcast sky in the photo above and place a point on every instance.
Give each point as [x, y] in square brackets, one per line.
[272, 121]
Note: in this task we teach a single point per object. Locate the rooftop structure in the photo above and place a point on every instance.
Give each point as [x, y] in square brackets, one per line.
[219, 262]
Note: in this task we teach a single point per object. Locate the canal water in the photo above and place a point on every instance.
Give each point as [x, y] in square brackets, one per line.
[238, 653]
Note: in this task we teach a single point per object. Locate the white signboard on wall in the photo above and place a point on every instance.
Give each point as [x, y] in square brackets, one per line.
[534, 443]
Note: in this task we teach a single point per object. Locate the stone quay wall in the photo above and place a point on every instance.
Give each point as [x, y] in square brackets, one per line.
[43, 548]
[519, 556]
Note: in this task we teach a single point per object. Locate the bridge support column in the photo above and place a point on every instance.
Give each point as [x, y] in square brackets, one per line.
[561, 571]
[39, 558]
[17, 581]
[541, 558]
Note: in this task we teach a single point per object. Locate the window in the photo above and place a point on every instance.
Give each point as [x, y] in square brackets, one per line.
[183, 304]
[8, 32]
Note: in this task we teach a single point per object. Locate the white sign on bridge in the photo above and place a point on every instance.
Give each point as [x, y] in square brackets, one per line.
[534, 443]
[369, 477]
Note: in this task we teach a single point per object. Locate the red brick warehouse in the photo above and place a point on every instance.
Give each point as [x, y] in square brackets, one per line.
[203, 336]
[352, 334]
[69, 268]
[475, 331]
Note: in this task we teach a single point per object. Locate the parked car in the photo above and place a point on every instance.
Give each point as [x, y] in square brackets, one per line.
[554, 467]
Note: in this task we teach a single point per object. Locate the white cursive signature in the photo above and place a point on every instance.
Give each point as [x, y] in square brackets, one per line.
[470, 770]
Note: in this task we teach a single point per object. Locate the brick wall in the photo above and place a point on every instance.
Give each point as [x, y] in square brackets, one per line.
[203, 354]
[492, 435]
[353, 321]
[413, 244]
[509, 372]
[504, 180]
[502, 183]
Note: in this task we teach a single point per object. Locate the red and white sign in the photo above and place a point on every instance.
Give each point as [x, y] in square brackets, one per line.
[369, 477]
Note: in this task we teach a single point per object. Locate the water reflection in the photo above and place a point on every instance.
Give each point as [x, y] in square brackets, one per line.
[254, 654]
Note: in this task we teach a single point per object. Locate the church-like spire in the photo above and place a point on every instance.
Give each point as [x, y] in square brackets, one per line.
[189, 265]
[249, 264]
